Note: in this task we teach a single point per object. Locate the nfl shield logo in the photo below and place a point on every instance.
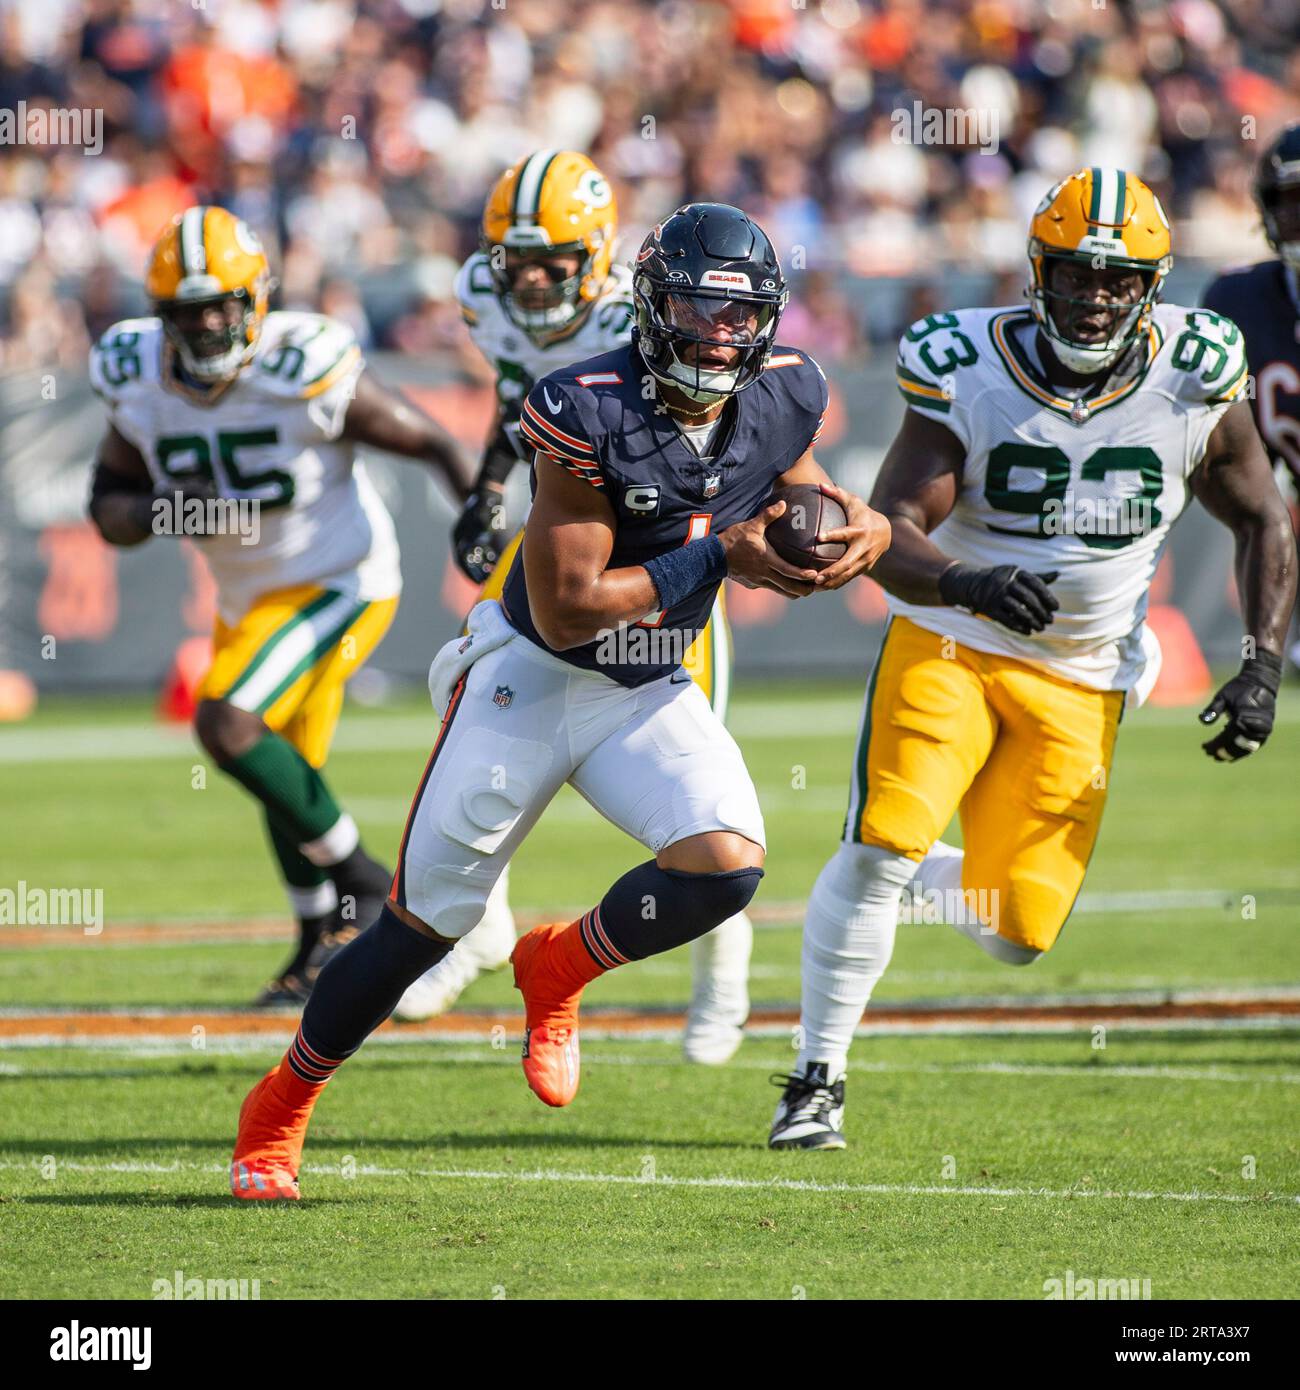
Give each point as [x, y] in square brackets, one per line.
[713, 484]
[503, 696]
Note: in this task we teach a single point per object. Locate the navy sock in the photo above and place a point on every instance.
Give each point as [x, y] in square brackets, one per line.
[650, 910]
[360, 986]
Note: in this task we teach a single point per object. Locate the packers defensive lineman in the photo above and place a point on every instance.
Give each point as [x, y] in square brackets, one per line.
[1264, 302]
[540, 294]
[1043, 457]
[248, 421]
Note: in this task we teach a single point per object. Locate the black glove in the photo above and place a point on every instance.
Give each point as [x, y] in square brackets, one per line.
[1016, 598]
[478, 534]
[1249, 700]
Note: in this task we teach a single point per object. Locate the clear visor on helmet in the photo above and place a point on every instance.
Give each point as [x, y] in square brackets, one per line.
[734, 322]
[540, 288]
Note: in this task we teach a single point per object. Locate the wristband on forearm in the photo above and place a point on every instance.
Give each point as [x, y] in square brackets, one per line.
[679, 572]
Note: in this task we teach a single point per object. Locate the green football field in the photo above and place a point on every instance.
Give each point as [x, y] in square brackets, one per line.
[981, 1164]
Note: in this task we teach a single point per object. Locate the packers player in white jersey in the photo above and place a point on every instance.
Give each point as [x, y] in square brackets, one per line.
[541, 293]
[1043, 457]
[246, 423]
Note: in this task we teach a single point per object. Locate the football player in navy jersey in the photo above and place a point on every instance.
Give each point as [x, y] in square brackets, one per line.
[1264, 301]
[651, 478]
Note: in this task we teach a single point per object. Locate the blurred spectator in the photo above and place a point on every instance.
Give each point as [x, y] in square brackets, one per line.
[820, 319]
[42, 327]
[360, 137]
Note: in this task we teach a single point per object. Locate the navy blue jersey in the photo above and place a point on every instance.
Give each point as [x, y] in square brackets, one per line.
[593, 419]
[1262, 301]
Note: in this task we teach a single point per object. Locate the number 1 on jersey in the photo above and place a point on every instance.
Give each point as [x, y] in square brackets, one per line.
[700, 526]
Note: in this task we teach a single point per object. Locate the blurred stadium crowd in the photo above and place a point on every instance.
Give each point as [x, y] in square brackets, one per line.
[361, 136]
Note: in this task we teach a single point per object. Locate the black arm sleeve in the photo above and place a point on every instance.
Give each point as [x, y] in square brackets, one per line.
[499, 459]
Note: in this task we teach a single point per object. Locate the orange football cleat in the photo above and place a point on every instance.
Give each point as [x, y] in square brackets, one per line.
[268, 1147]
[551, 979]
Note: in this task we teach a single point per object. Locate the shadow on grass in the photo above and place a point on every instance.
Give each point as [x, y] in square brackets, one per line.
[216, 1149]
[164, 1201]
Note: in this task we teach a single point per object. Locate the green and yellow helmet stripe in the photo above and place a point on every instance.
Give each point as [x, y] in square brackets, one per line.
[1106, 207]
[528, 186]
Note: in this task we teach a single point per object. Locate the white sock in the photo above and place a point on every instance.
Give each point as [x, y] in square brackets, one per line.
[938, 881]
[313, 902]
[848, 938]
[721, 956]
[335, 844]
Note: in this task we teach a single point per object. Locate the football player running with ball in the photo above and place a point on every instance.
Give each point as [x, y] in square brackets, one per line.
[1043, 457]
[575, 674]
[1264, 302]
[215, 403]
[542, 293]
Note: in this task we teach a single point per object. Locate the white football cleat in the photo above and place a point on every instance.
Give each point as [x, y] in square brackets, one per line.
[715, 1021]
[486, 947]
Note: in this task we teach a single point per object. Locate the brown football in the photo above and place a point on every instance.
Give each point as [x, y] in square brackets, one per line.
[809, 513]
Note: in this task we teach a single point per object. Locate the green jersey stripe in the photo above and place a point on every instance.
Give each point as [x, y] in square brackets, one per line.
[330, 639]
[858, 791]
[264, 652]
[924, 402]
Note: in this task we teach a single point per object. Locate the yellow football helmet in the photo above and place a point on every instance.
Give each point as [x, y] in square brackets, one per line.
[554, 203]
[1106, 219]
[210, 259]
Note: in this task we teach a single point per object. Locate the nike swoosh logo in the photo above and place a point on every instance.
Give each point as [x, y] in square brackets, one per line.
[678, 678]
[553, 408]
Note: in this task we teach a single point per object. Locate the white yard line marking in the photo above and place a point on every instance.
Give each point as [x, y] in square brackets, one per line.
[449, 1054]
[559, 1175]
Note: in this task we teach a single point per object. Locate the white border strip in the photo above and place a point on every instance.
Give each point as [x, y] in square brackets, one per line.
[557, 1175]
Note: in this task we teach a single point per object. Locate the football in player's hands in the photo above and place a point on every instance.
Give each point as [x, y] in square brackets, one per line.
[809, 513]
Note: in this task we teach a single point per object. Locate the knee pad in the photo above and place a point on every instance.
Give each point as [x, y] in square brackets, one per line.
[719, 895]
[650, 909]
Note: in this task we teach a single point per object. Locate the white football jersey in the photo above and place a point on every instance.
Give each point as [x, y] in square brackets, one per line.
[274, 435]
[517, 360]
[1051, 485]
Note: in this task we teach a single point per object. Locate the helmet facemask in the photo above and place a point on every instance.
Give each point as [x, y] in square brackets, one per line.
[541, 310]
[1280, 206]
[707, 346]
[1058, 312]
[212, 354]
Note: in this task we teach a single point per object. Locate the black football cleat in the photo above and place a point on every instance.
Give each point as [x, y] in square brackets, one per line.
[284, 991]
[810, 1113]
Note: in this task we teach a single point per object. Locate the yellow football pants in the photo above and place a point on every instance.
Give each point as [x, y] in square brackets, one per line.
[288, 658]
[1022, 755]
[708, 661]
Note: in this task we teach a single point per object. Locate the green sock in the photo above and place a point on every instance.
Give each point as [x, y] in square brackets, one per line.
[293, 792]
[304, 880]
